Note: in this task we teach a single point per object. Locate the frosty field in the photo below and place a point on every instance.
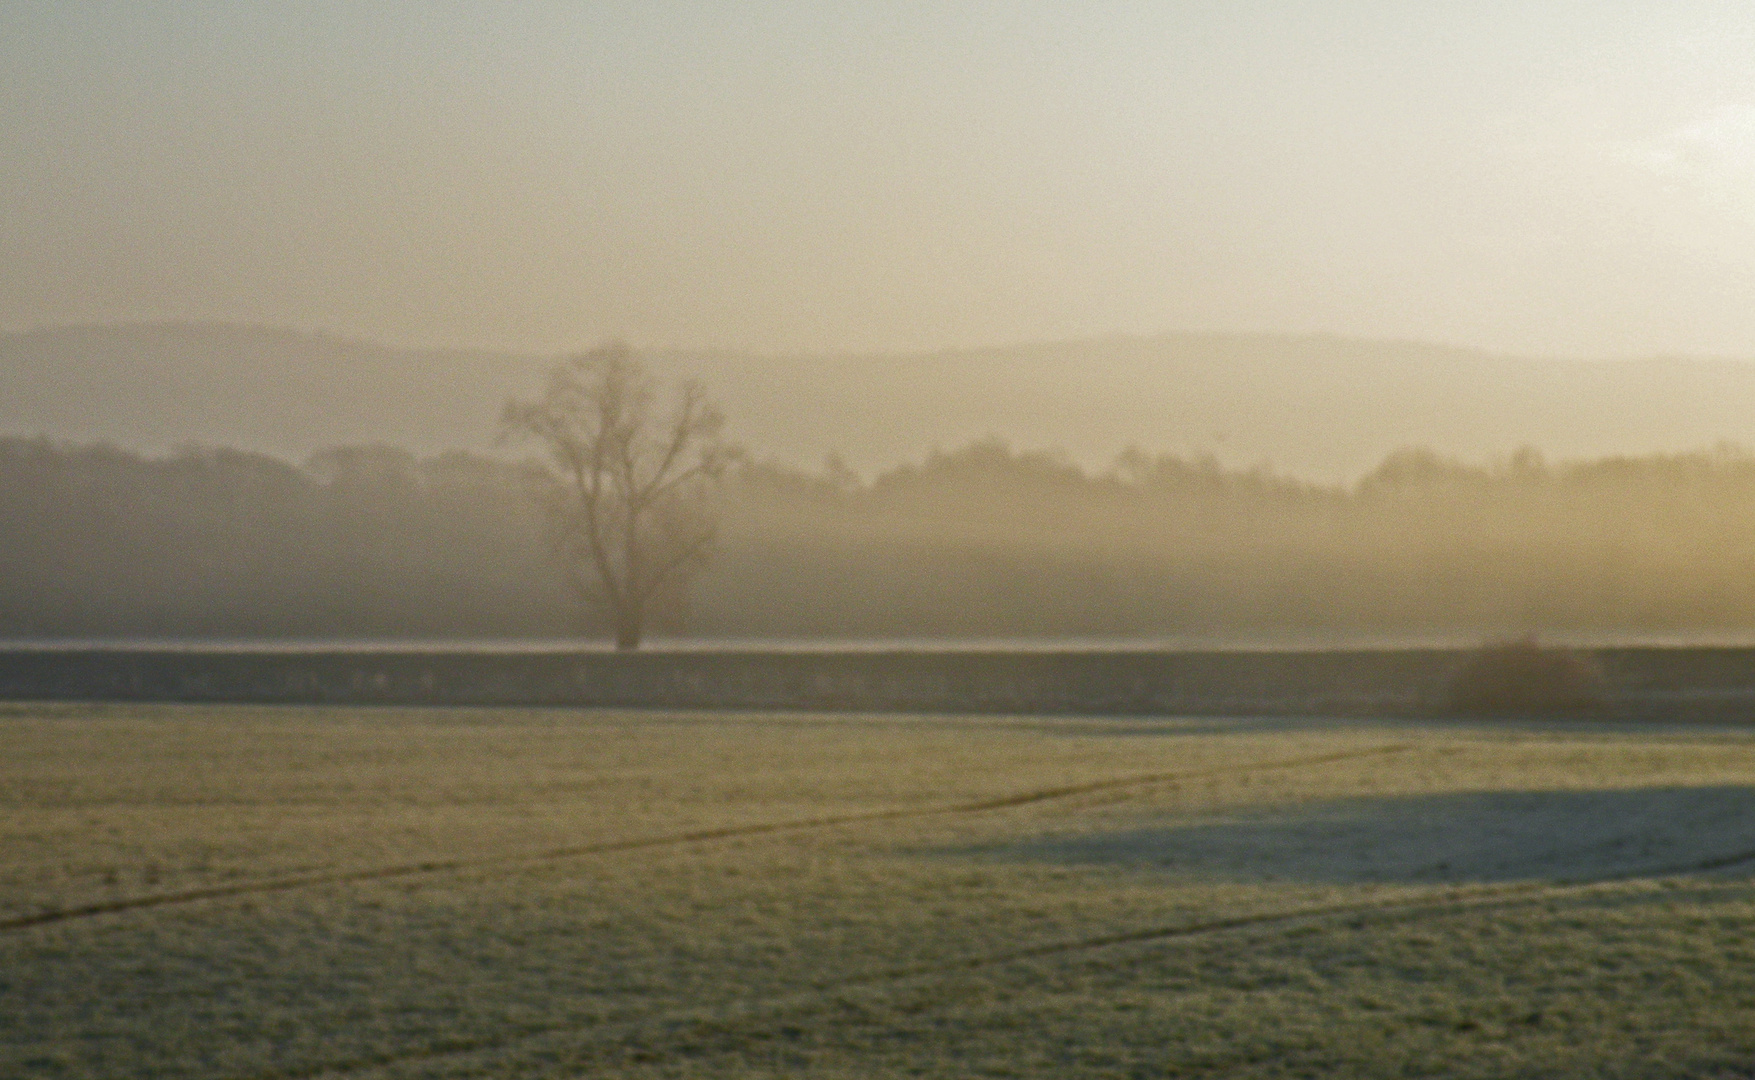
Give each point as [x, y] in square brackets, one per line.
[313, 892]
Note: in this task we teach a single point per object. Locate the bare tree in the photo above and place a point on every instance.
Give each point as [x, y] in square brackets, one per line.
[629, 485]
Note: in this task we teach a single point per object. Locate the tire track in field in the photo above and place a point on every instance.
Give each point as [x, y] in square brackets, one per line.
[728, 832]
[673, 1024]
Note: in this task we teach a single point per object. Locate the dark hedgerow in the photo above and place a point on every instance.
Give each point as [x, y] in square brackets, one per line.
[1523, 676]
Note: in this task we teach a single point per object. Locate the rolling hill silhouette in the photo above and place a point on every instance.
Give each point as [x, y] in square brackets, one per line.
[1324, 407]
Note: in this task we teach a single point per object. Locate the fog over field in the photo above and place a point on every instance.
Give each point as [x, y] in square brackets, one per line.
[982, 541]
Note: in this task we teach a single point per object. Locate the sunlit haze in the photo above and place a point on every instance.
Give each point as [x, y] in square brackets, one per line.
[1538, 178]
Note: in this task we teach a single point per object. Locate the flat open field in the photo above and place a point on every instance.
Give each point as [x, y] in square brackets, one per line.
[304, 892]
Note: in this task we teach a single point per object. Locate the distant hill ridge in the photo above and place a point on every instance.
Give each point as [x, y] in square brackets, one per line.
[1324, 407]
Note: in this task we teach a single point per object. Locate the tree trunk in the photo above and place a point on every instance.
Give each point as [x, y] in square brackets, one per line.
[627, 631]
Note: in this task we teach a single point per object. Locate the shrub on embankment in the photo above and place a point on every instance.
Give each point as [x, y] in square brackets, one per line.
[1523, 676]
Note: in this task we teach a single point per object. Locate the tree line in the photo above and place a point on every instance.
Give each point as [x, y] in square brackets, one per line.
[982, 541]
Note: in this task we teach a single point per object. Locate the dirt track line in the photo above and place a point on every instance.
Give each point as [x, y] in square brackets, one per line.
[1453, 899]
[1440, 900]
[442, 866]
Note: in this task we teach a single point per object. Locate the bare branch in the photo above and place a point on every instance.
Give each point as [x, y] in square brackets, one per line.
[629, 501]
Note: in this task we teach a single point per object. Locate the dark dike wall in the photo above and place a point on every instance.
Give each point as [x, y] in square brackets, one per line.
[1679, 683]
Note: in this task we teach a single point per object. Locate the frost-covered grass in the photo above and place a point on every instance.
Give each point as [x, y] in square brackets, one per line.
[1271, 899]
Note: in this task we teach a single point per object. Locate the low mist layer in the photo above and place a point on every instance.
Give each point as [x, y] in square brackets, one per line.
[981, 542]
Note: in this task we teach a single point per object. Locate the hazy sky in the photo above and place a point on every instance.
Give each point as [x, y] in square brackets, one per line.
[1534, 177]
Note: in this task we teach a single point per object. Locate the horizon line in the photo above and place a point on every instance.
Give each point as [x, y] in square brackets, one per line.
[857, 353]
